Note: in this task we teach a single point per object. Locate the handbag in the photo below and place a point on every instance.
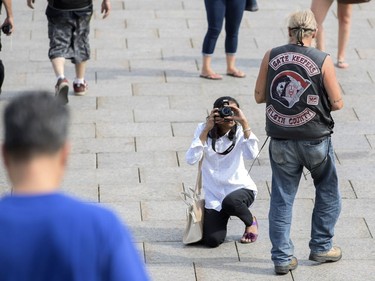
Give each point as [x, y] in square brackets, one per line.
[195, 210]
[352, 1]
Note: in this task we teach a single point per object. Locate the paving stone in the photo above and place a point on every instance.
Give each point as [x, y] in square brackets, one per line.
[102, 145]
[171, 115]
[127, 211]
[254, 269]
[162, 272]
[172, 252]
[158, 231]
[136, 159]
[133, 102]
[120, 130]
[140, 192]
[160, 210]
[145, 144]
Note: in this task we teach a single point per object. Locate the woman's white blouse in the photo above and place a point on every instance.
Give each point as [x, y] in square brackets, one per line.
[223, 174]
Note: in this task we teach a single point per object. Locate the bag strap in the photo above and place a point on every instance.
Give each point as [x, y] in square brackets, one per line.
[198, 183]
[256, 158]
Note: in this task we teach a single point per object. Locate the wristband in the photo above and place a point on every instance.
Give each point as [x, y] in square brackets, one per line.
[247, 130]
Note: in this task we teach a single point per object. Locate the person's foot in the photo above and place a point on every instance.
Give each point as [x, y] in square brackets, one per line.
[62, 90]
[236, 73]
[342, 64]
[251, 233]
[284, 269]
[80, 89]
[211, 76]
[332, 255]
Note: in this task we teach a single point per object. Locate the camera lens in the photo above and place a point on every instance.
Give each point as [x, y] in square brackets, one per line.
[226, 111]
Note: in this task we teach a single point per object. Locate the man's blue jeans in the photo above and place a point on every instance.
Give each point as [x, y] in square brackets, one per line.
[288, 157]
[217, 10]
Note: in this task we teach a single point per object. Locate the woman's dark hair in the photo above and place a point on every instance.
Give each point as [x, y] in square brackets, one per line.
[219, 102]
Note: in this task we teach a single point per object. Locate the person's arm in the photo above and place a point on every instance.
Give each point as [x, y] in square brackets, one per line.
[331, 84]
[106, 8]
[9, 11]
[195, 151]
[261, 83]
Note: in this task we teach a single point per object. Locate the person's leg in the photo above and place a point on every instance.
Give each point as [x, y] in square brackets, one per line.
[320, 160]
[58, 65]
[344, 15]
[82, 53]
[286, 174]
[214, 227]
[215, 10]
[237, 204]
[233, 18]
[60, 34]
[320, 9]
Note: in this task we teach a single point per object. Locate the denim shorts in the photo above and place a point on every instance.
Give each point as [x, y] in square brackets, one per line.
[69, 37]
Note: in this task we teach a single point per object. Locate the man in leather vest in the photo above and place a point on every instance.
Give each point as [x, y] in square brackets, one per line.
[299, 86]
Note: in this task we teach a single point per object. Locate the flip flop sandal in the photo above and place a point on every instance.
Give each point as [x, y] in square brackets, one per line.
[249, 237]
[342, 64]
[213, 76]
[237, 74]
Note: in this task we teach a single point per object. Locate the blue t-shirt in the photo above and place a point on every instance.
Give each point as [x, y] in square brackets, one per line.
[54, 237]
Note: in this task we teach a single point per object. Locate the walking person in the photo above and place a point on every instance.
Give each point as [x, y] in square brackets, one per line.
[223, 142]
[7, 27]
[68, 32]
[45, 235]
[299, 86]
[344, 14]
[217, 11]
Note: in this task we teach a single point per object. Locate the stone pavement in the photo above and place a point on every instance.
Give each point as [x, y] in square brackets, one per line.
[129, 134]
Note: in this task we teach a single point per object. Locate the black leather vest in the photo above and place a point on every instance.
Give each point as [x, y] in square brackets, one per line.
[297, 102]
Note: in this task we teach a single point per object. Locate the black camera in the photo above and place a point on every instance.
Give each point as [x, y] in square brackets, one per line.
[6, 28]
[225, 110]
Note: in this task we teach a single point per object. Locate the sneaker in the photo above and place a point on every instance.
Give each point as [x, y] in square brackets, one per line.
[284, 269]
[80, 89]
[62, 90]
[332, 255]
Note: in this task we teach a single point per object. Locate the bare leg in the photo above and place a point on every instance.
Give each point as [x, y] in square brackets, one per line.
[58, 66]
[320, 9]
[231, 67]
[80, 70]
[207, 70]
[344, 14]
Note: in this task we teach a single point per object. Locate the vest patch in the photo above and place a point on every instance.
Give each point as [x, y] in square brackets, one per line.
[295, 58]
[287, 88]
[289, 120]
[312, 99]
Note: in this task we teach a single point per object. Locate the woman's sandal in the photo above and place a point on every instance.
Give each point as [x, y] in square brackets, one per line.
[249, 237]
[237, 74]
[342, 64]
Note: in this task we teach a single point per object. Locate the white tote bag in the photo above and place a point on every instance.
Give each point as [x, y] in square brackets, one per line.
[195, 211]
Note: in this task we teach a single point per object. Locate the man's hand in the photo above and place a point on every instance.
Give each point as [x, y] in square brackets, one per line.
[30, 3]
[106, 8]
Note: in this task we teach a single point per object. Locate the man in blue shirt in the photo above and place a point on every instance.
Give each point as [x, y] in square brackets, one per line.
[45, 235]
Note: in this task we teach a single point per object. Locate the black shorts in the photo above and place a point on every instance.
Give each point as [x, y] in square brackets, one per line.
[69, 36]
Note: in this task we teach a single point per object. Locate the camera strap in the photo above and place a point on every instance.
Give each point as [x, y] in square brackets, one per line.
[229, 149]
